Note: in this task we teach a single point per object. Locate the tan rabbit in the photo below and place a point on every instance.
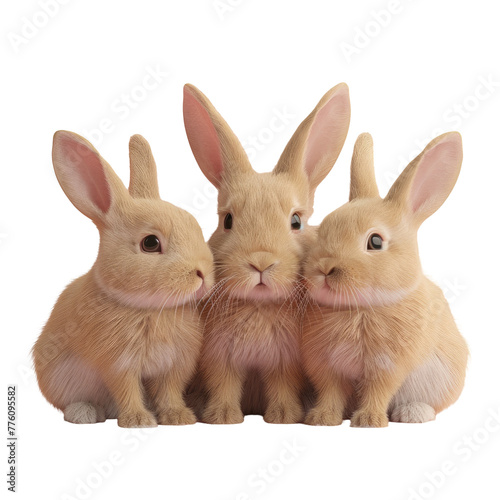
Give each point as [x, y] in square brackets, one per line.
[124, 339]
[378, 336]
[252, 321]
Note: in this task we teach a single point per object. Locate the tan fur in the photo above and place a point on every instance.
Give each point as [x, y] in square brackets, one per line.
[123, 340]
[379, 341]
[250, 356]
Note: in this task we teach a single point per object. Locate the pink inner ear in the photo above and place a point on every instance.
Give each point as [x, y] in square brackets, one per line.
[89, 172]
[327, 133]
[203, 138]
[437, 173]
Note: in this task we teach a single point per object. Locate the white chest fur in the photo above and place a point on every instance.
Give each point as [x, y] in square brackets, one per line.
[259, 339]
[350, 360]
[347, 360]
[158, 358]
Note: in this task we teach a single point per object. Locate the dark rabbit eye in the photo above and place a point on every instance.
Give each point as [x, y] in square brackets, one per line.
[375, 242]
[228, 221]
[296, 223]
[151, 244]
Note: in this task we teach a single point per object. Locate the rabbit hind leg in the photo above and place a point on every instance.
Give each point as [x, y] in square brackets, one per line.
[423, 393]
[76, 388]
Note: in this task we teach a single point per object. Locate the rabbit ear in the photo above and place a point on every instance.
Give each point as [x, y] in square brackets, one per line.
[217, 150]
[427, 181]
[88, 181]
[143, 175]
[363, 183]
[317, 142]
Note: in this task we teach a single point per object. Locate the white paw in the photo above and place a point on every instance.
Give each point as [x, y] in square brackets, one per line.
[84, 413]
[413, 413]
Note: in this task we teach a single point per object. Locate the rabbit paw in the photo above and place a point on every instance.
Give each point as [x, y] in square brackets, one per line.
[137, 419]
[84, 413]
[176, 416]
[413, 413]
[223, 414]
[101, 413]
[284, 414]
[369, 419]
[323, 417]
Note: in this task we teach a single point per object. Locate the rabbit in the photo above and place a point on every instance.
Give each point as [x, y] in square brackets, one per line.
[379, 342]
[250, 355]
[124, 339]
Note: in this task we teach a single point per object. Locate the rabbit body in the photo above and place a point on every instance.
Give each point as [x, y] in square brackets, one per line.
[411, 359]
[245, 358]
[250, 361]
[379, 341]
[123, 340]
[250, 357]
[92, 352]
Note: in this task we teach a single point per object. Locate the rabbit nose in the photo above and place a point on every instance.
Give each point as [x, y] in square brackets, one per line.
[335, 273]
[261, 261]
[261, 269]
[327, 267]
[200, 274]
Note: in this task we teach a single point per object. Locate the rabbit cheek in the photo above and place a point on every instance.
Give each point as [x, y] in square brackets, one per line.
[373, 297]
[141, 299]
[339, 300]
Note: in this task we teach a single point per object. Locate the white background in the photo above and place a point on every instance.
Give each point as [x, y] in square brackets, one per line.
[408, 83]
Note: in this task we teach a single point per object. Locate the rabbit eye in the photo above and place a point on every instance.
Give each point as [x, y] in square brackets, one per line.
[296, 222]
[375, 242]
[151, 244]
[228, 221]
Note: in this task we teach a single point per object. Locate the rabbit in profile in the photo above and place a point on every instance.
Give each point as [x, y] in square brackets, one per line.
[379, 342]
[124, 339]
[250, 355]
